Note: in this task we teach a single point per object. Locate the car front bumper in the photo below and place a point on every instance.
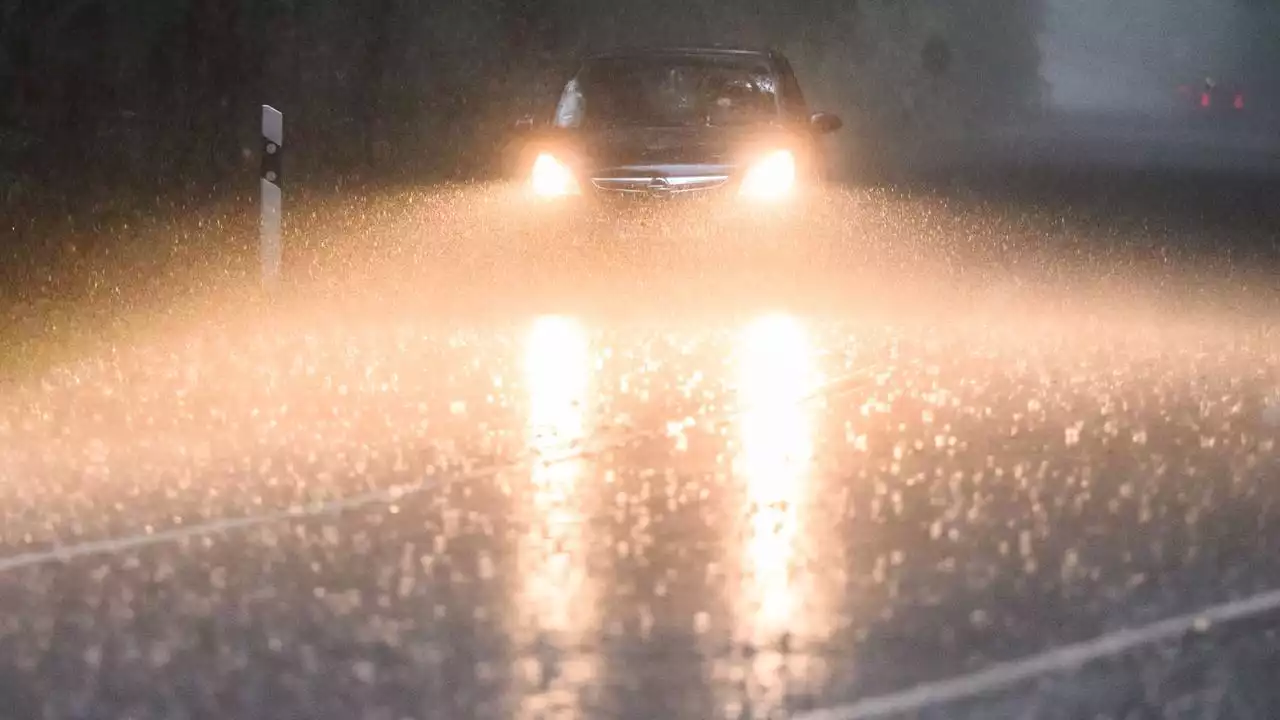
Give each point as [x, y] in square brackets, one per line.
[723, 201]
[706, 225]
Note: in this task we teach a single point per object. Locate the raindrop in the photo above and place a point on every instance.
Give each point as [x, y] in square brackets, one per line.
[701, 623]
[364, 671]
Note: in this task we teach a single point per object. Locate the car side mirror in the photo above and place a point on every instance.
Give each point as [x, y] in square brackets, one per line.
[824, 123]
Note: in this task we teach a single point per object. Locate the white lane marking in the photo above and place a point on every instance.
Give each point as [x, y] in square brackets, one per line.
[1060, 659]
[172, 535]
[111, 546]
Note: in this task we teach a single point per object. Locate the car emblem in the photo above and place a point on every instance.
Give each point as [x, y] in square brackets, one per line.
[659, 184]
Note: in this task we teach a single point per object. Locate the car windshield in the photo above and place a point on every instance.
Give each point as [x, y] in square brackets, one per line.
[669, 92]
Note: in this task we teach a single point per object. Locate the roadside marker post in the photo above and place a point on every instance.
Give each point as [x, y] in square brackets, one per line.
[272, 182]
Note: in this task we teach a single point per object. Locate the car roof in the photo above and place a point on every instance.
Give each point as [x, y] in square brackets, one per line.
[706, 51]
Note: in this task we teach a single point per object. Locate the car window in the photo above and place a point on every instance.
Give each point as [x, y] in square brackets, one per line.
[792, 96]
[569, 110]
[670, 92]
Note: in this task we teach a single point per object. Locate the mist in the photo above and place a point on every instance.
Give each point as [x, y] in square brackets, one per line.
[1100, 57]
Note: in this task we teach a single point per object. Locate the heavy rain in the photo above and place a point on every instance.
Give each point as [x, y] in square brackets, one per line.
[980, 423]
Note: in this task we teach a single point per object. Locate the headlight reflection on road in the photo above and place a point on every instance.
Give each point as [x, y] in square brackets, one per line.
[558, 602]
[557, 367]
[775, 374]
[776, 371]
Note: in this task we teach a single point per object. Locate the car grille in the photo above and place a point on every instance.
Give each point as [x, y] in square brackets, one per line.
[657, 186]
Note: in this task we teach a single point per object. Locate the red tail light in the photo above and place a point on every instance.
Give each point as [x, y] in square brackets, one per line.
[1239, 101]
[1204, 100]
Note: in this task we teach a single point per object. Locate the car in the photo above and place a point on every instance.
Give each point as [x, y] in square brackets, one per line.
[658, 124]
[1213, 102]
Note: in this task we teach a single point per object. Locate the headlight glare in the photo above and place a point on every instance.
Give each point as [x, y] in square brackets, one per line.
[552, 178]
[771, 177]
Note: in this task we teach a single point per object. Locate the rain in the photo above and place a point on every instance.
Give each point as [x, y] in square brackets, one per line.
[977, 426]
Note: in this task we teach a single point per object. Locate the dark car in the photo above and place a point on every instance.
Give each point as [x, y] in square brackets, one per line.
[676, 122]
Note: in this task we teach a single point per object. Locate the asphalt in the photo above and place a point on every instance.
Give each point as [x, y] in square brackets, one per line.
[479, 458]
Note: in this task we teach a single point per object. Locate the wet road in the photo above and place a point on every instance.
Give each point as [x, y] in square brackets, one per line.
[614, 481]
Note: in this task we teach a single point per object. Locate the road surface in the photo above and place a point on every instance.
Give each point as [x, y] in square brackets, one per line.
[507, 464]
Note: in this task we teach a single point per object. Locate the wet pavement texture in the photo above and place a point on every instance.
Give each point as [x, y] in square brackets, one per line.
[901, 441]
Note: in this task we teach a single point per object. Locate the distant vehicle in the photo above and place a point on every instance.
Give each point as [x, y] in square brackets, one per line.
[1212, 101]
[676, 122]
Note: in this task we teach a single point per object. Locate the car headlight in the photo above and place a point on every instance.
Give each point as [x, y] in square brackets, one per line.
[771, 177]
[552, 178]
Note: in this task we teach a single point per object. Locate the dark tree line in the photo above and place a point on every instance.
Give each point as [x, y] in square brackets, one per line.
[100, 96]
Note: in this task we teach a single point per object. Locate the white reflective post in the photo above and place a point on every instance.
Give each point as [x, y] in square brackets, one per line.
[272, 181]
